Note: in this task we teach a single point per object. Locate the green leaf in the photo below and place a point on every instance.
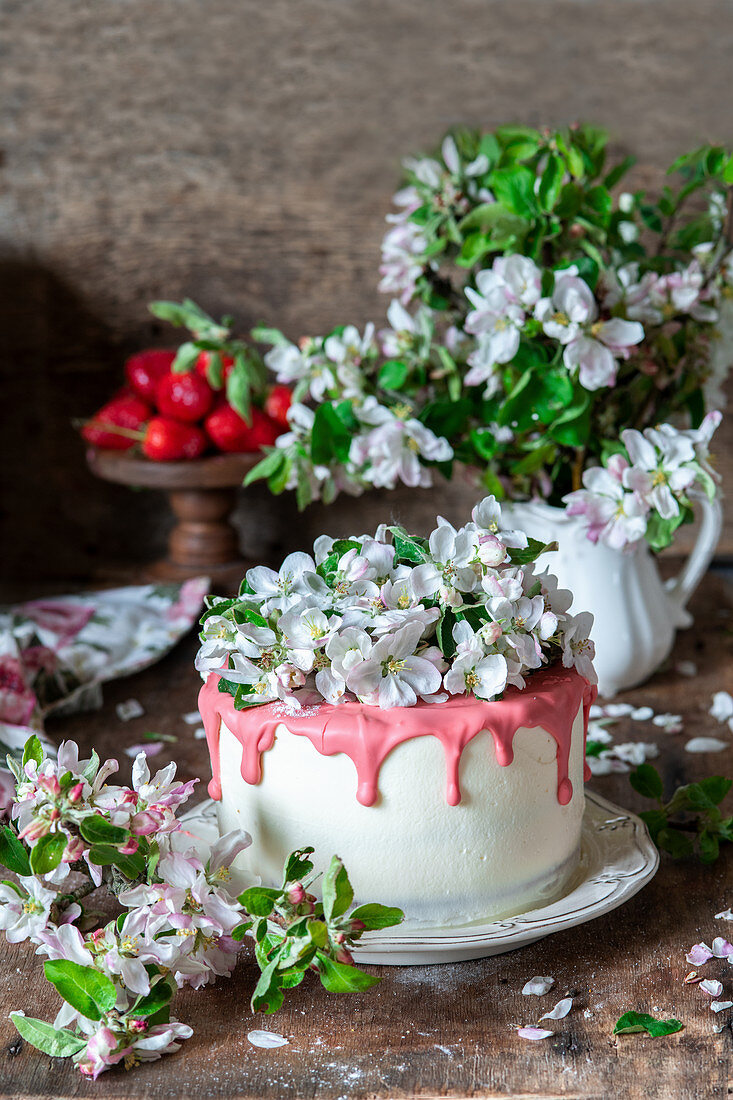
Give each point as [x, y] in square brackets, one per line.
[58, 1042]
[709, 846]
[632, 1022]
[330, 438]
[660, 532]
[105, 855]
[46, 854]
[239, 388]
[259, 901]
[709, 791]
[338, 893]
[677, 844]
[84, 988]
[655, 821]
[375, 916]
[298, 865]
[185, 359]
[33, 750]
[339, 977]
[268, 995]
[13, 853]
[522, 555]
[98, 830]
[269, 467]
[406, 547]
[393, 374]
[159, 996]
[493, 218]
[514, 188]
[551, 183]
[444, 633]
[618, 171]
[647, 781]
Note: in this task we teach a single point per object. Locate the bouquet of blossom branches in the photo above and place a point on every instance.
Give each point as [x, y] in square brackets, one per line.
[560, 338]
[182, 916]
[393, 619]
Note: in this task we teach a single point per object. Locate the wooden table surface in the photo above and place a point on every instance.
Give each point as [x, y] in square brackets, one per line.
[444, 1030]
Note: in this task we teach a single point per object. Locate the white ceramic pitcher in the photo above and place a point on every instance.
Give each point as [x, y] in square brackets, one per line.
[635, 613]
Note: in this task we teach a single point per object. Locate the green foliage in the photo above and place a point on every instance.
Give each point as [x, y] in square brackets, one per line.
[632, 1022]
[87, 990]
[57, 1042]
[691, 820]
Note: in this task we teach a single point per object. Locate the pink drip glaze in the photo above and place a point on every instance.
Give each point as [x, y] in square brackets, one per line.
[368, 734]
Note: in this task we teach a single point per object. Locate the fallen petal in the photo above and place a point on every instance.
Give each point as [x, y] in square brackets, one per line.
[691, 978]
[686, 668]
[721, 948]
[192, 718]
[537, 986]
[720, 1006]
[266, 1039]
[533, 1033]
[560, 1011]
[706, 744]
[131, 708]
[150, 748]
[642, 714]
[698, 954]
[722, 706]
[727, 914]
[711, 986]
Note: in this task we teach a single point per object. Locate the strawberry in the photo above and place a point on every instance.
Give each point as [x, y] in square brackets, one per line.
[126, 411]
[279, 400]
[167, 440]
[229, 432]
[144, 370]
[186, 397]
[202, 366]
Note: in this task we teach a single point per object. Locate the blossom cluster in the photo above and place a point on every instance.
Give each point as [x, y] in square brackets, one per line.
[536, 314]
[392, 619]
[184, 911]
[655, 477]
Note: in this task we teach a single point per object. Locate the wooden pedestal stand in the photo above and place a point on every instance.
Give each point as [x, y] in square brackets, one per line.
[202, 495]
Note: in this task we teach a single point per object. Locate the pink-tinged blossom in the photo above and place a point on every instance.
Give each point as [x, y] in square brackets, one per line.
[24, 912]
[108, 1045]
[698, 954]
[659, 472]
[611, 514]
[592, 346]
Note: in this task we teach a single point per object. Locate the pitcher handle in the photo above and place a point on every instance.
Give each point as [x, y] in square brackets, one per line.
[681, 587]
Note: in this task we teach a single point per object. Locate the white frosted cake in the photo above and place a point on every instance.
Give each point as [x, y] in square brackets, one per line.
[448, 777]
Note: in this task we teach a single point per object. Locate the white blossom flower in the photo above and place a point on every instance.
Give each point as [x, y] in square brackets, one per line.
[24, 912]
[393, 675]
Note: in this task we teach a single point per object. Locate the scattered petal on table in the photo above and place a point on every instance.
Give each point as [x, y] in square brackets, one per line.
[722, 706]
[670, 723]
[533, 1033]
[537, 986]
[560, 1011]
[727, 914]
[192, 718]
[199, 734]
[698, 954]
[686, 668]
[642, 714]
[712, 987]
[691, 978]
[706, 744]
[721, 948]
[720, 1006]
[266, 1039]
[619, 710]
[131, 708]
[150, 748]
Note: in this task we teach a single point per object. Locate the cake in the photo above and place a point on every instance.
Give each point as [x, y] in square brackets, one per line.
[449, 776]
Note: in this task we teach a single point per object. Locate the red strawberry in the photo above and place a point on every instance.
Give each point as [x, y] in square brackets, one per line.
[229, 432]
[145, 370]
[167, 440]
[187, 397]
[126, 411]
[279, 400]
[202, 366]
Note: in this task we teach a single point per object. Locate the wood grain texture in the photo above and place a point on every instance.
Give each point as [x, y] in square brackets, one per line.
[244, 154]
[444, 1030]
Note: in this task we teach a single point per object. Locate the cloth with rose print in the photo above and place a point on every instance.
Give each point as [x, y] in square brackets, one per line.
[56, 653]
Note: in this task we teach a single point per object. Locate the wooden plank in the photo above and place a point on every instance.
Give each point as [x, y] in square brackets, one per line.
[444, 1030]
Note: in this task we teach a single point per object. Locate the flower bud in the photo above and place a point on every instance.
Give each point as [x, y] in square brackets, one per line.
[130, 847]
[144, 823]
[75, 793]
[491, 633]
[50, 784]
[357, 926]
[343, 955]
[34, 830]
[74, 850]
[296, 894]
[491, 551]
[137, 1025]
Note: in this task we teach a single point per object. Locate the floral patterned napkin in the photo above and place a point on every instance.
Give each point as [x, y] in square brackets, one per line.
[56, 653]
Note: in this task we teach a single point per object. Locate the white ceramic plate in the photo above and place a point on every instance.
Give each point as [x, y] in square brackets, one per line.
[617, 860]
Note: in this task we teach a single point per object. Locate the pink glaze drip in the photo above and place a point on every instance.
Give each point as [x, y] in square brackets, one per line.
[368, 734]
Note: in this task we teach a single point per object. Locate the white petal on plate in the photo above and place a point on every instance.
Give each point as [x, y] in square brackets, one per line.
[266, 1039]
[712, 987]
[706, 744]
[698, 954]
[131, 708]
[150, 748]
[727, 914]
[192, 718]
[720, 1006]
[533, 1033]
[537, 986]
[560, 1011]
[642, 714]
[721, 948]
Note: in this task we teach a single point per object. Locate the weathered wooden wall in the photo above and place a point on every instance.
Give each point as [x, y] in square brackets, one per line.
[244, 153]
